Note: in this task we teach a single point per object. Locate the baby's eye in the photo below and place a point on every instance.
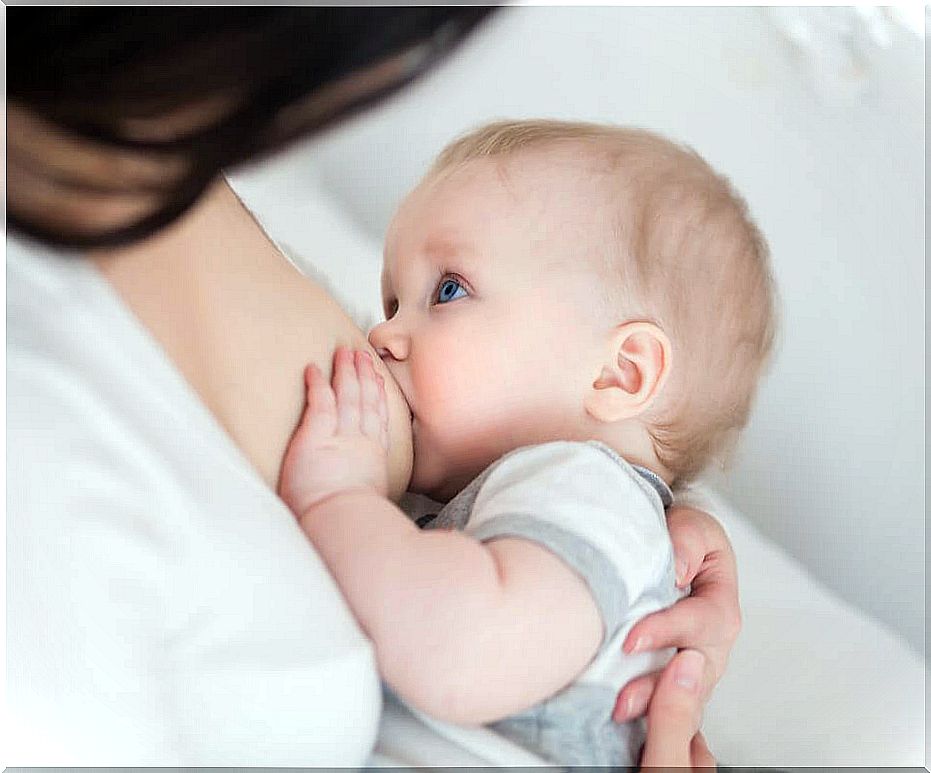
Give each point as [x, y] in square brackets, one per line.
[450, 289]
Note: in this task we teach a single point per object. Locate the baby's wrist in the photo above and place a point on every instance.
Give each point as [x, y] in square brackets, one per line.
[321, 506]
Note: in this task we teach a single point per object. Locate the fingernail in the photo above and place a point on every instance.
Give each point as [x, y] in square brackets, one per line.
[689, 669]
[682, 569]
[642, 644]
[634, 705]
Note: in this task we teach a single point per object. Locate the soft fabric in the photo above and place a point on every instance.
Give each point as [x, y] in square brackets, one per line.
[605, 520]
[812, 681]
[163, 606]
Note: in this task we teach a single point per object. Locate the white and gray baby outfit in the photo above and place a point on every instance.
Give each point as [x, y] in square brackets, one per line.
[605, 518]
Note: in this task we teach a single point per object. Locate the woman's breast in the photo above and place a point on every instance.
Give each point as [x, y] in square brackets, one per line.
[273, 335]
[241, 324]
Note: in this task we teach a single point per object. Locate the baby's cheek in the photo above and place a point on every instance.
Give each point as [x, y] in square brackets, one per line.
[457, 407]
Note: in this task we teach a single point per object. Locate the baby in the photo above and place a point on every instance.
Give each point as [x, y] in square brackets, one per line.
[578, 316]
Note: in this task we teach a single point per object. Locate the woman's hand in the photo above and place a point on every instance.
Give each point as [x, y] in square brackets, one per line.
[342, 440]
[673, 739]
[708, 620]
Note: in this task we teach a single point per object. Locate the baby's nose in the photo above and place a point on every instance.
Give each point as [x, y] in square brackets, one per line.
[388, 341]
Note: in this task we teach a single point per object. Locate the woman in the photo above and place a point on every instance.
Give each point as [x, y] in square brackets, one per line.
[164, 608]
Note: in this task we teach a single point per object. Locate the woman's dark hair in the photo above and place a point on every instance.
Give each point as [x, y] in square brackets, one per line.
[92, 71]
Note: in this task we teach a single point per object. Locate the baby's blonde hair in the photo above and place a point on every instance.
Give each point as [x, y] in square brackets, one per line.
[686, 256]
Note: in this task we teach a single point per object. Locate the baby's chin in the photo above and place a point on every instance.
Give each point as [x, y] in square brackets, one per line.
[434, 491]
[438, 482]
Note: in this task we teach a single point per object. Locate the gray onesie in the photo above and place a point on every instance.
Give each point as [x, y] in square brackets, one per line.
[605, 518]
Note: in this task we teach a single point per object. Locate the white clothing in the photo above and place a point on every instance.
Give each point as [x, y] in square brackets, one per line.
[164, 608]
[604, 518]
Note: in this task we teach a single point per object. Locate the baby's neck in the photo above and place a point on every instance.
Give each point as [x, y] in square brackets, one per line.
[631, 442]
[634, 444]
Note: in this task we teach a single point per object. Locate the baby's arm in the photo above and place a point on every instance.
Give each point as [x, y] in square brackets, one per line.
[465, 631]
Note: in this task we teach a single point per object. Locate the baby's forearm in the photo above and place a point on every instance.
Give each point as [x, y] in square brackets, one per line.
[463, 630]
[426, 599]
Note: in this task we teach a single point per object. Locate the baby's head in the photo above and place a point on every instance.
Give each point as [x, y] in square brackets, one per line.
[551, 280]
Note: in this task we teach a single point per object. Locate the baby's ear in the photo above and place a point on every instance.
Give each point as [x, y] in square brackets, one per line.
[637, 363]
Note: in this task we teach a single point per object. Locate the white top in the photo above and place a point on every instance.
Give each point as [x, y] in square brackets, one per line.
[604, 518]
[600, 515]
[164, 608]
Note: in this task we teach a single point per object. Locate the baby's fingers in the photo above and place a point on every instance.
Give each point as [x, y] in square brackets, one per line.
[320, 414]
[368, 384]
[346, 387]
[382, 412]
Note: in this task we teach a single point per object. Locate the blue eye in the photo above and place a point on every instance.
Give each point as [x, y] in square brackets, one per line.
[449, 290]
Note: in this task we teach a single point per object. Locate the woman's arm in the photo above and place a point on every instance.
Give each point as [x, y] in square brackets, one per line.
[466, 631]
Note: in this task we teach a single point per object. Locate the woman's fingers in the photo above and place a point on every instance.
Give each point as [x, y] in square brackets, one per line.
[688, 623]
[633, 700]
[674, 715]
[692, 623]
[701, 754]
[709, 619]
[694, 535]
[688, 543]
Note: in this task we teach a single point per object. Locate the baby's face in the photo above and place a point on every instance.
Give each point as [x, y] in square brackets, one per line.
[491, 330]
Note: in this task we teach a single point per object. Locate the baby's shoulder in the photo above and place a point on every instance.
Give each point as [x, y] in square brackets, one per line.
[585, 504]
[577, 472]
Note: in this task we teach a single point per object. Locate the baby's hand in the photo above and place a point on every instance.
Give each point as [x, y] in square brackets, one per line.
[342, 440]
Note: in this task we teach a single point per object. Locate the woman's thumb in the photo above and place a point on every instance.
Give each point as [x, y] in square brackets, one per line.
[674, 715]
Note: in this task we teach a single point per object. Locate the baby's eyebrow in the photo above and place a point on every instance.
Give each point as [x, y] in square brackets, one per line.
[445, 245]
[439, 249]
